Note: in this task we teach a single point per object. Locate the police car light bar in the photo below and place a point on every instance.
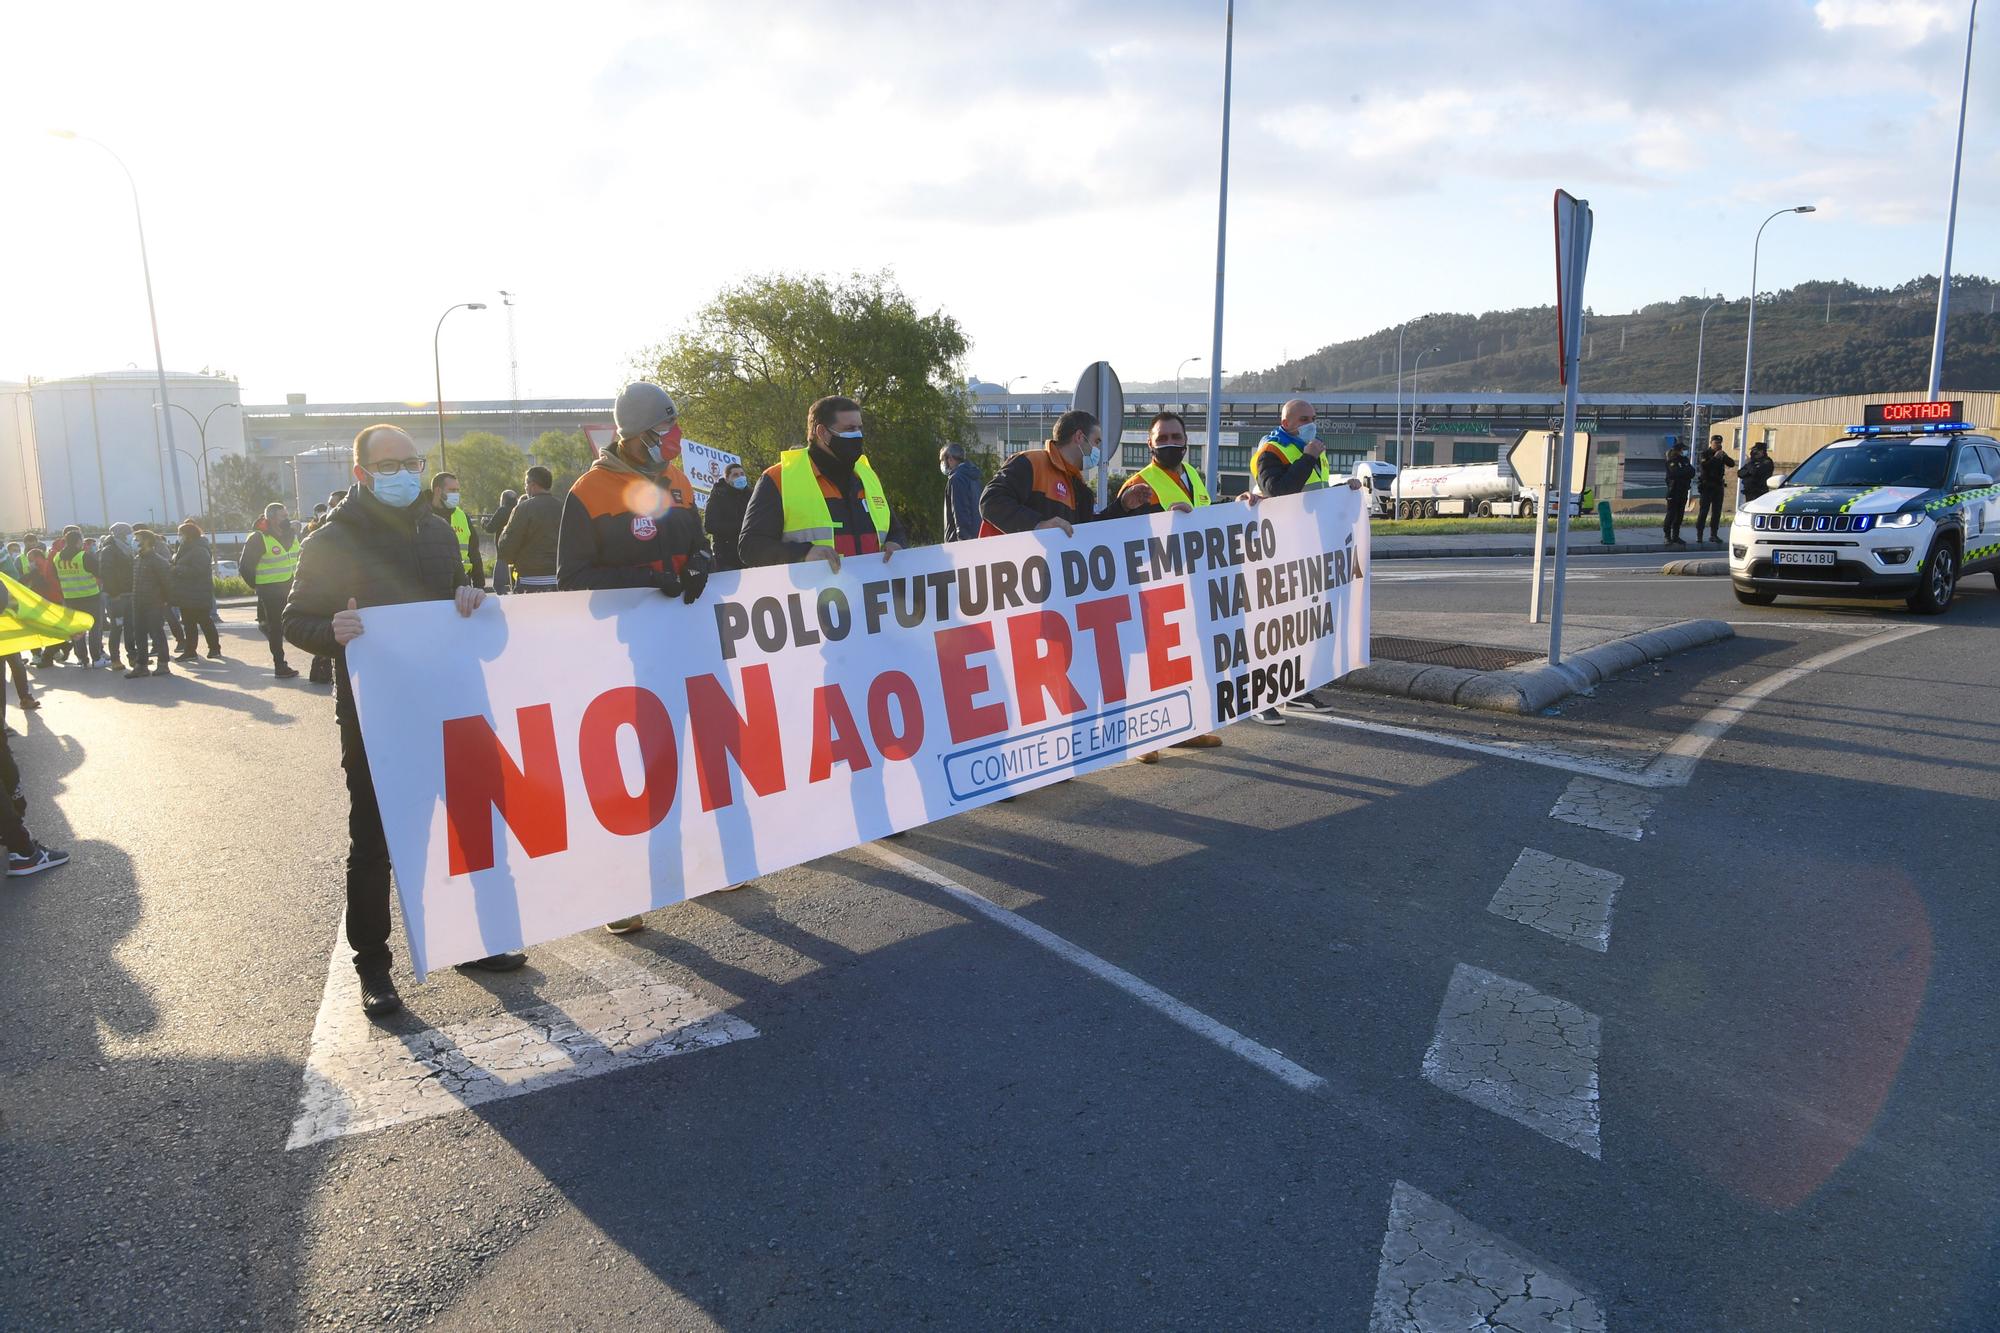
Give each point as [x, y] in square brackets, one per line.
[1912, 414]
[1926, 428]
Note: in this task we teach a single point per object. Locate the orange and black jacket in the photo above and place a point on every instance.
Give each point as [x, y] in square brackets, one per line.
[761, 541]
[619, 529]
[1032, 488]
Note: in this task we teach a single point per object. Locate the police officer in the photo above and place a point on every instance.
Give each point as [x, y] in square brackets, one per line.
[1680, 476]
[267, 563]
[1709, 485]
[823, 501]
[445, 503]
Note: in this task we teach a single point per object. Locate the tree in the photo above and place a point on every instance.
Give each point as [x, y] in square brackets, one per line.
[239, 488]
[485, 465]
[755, 358]
[564, 453]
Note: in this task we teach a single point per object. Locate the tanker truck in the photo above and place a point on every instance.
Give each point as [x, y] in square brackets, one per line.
[1508, 488]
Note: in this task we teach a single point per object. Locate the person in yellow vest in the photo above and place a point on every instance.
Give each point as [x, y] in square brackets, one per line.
[76, 566]
[26, 622]
[821, 502]
[446, 504]
[267, 563]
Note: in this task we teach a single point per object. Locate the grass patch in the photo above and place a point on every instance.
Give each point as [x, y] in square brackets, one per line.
[231, 588]
[1419, 527]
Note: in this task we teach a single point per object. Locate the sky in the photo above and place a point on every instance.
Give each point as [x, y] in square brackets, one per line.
[320, 183]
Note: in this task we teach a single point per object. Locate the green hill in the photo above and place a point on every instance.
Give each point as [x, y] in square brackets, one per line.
[1816, 338]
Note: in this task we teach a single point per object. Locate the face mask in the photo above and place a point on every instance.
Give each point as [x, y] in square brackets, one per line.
[451, 500]
[1092, 459]
[1170, 456]
[398, 491]
[739, 482]
[846, 447]
[1308, 432]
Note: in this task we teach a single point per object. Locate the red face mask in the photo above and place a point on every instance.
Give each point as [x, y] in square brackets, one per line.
[670, 444]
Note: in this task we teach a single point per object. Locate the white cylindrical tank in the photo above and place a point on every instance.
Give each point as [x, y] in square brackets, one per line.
[93, 450]
[1464, 481]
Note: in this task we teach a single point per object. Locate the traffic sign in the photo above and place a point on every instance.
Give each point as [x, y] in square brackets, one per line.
[1099, 393]
[1572, 252]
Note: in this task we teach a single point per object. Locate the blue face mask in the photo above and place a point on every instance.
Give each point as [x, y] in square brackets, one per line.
[739, 482]
[399, 490]
[1092, 459]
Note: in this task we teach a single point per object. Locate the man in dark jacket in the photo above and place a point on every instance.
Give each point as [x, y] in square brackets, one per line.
[1045, 488]
[1680, 476]
[1755, 474]
[962, 484]
[194, 592]
[822, 502]
[114, 571]
[724, 516]
[528, 539]
[1710, 480]
[382, 546]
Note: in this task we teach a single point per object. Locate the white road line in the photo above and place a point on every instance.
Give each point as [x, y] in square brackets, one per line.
[1559, 897]
[1524, 753]
[1266, 1059]
[1504, 1045]
[1442, 1272]
[360, 1078]
[1676, 766]
[1617, 808]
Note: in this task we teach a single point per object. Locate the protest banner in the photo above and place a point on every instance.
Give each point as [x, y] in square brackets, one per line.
[550, 763]
[703, 464]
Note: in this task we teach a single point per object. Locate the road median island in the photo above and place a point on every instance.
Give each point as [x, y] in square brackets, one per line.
[1531, 686]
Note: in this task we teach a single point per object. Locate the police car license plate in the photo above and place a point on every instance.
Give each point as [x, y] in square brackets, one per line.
[1802, 557]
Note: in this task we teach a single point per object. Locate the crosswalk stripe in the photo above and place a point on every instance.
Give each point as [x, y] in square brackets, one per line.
[360, 1078]
[1559, 897]
[1616, 808]
[1503, 1045]
[1441, 1271]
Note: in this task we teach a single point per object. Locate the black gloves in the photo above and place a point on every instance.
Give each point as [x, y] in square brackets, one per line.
[670, 582]
[694, 575]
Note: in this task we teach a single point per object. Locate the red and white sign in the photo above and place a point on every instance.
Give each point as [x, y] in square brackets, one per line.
[554, 762]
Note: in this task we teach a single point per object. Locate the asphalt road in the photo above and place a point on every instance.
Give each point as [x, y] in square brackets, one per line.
[1767, 1102]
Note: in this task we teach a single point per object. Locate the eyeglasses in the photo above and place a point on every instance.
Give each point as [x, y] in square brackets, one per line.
[389, 467]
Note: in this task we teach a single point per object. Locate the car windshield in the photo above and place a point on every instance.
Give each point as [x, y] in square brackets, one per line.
[1920, 465]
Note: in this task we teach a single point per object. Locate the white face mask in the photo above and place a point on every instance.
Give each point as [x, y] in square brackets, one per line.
[1308, 432]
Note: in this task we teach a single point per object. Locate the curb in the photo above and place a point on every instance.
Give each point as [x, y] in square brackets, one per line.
[1523, 553]
[1696, 568]
[1530, 688]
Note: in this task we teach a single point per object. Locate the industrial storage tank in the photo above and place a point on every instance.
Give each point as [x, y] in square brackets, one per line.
[93, 450]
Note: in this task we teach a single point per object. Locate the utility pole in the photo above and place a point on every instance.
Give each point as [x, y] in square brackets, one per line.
[1212, 454]
[1951, 213]
[513, 371]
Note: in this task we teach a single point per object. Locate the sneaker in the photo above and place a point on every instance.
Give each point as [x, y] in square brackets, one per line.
[378, 995]
[31, 703]
[511, 961]
[625, 925]
[102, 661]
[1313, 702]
[215, 654]
[137, 672]
[35, 862]
[1199, 742]
[162, 670]
[1149, 757]
[1270, 717]
[286, 672]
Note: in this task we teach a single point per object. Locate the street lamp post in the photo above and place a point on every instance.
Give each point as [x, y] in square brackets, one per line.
[201, 463]
[152, 315]
[1396, 505]
[1177, 378]
[437, 369]
[1951, 214]
[1694, 416]
[1007, 419]
[1750, 326]
[1413, 404]
[1212, 461]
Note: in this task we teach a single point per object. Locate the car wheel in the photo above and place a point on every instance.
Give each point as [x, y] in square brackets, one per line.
[1940, 580]
[1527, 509]
[1755, 598]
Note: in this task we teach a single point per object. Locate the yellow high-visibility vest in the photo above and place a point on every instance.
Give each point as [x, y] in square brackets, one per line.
[76, 580]
[1291, 453]
[807, 515]
[31, 621]
[462, 525]
[278, 562]
[1169, 492]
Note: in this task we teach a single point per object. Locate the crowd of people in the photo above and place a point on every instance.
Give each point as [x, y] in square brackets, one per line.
[1708, 476]
[631, 521]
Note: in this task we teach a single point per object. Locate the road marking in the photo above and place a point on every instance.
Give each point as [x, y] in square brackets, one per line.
[1442, 1272]
[1504, 1045]
[1266, 1059]
[360, 1078]
[1521, 752]
[1618, 808]
[1559, 897]
[1676, 766]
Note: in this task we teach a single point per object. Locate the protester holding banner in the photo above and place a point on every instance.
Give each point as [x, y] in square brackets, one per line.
[528, 539]
[383, 546]
[630, 519]
[1290, 460]
[724, 516]
[821, 502]
[1046, 488]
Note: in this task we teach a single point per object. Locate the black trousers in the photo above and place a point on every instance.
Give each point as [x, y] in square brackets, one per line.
[1677, 508]
[148, 624]
[1710, 513]
[195, 619]
[271, 615]
[117, 615]
[367, 863]
[13, 829]
[93, 638]
[17, 666]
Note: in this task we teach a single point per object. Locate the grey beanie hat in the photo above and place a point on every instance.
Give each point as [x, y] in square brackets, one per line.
[642, 407]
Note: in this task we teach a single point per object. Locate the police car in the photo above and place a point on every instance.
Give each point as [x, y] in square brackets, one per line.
[1905, 506]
